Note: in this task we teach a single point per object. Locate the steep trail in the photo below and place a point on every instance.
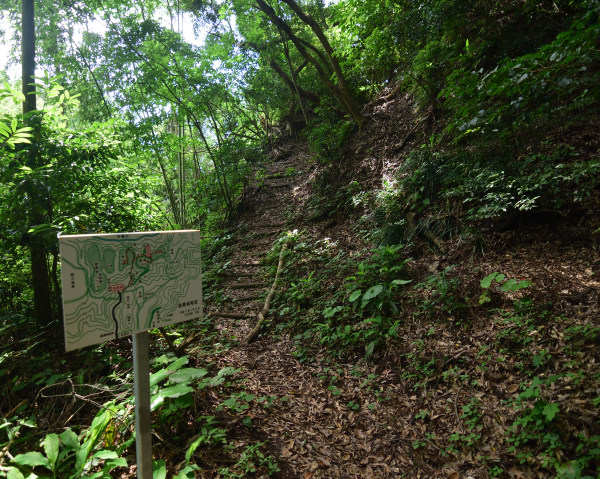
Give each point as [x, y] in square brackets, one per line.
[327, 421]
[255, 230]
[442, 398]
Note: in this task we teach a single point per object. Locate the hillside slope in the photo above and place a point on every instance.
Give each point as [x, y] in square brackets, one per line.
[436, 372]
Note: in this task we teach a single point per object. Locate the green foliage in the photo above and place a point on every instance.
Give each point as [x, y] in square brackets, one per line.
[10, 132]
[558, 80]
[540, 181]
[368, 39]
[326, 137]
[490, 186]
[443, 295]
[171, 387]
[63, 179]
[65, 455]
[238, 402]
[472, 420]
[508, 286]
[429, 70]
[537, 423]
[371, 294]
[251, 461]
[100, 448]
[497, 95]
[376, 281]
[210, 434]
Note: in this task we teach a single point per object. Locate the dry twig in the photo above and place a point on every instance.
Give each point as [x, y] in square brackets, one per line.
[267, 306]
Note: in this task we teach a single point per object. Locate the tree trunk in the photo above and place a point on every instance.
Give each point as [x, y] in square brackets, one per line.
[328, 62]
[40, 280]
[28, 54]
[309, 95]
[296, 90]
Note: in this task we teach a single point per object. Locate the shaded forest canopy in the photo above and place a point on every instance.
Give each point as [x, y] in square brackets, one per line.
[438, 170]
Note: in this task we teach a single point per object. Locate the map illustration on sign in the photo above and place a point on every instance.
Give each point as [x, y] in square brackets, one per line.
[116, 285]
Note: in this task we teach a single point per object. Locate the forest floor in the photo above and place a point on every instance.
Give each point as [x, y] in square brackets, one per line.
[467, 382]
[462, 384]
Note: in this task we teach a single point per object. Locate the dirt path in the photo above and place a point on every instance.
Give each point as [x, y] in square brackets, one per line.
[328, 420]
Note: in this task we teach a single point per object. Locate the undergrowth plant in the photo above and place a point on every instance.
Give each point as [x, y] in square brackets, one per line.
[68, 455]
[441, 295]
[327, 135]
[472, 420]
[368, 314]
[541, 433]
[251, 460]
[99, 450]
[556, 82]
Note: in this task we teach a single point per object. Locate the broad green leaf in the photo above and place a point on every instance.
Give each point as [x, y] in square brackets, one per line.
[484, 298]
[372, 292]
[186, 473]
[14, 473]
[219, 378]
[570, 470]
[514, 285]
[106, 454]
[228, 371]
[99, 475]
[159, 469]
[489, 279]
[50, 444]
[530, 392]
[550, 410]
[158, 376]
[96, 429]
[355, 295]
[187, 374]
[163, 359]
[32, 459]
[14, 141]
[175, 391]
[194, 445]
[70, 440]
[330, 312]
[80, 458]
[370, 349]
[401, 281]
[156, 401]
[178, 363]
[118, 462]
[233, 403]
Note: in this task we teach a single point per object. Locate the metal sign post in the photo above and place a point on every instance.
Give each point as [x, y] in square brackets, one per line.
[141, 391]
[116, 285]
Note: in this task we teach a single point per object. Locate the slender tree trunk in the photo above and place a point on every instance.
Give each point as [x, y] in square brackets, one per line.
[28, 54]
[286, 51]
[39, 266]
[181, 136]
[98, 87]
[328, 62]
